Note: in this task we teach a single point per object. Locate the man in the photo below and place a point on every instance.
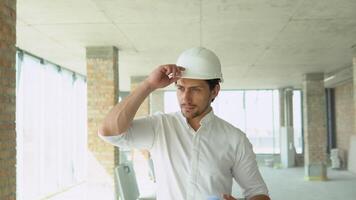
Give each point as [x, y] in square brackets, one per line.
[196, 154]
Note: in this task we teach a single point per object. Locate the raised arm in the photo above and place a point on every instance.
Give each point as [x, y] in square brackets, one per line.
[121, 115]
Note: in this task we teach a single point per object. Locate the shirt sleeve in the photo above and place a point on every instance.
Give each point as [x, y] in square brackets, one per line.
[140, 135]
[245, 170]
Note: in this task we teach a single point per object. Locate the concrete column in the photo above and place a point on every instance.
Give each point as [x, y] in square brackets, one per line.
[351, 165]
[157, 101]
[314, 113]
[7, 100]
[102, 87]
[286, 129]
[354, 82]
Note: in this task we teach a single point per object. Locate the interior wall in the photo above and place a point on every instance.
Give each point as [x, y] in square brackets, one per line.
[344, 115]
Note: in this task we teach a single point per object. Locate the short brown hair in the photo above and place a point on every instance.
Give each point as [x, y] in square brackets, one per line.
[213, 82]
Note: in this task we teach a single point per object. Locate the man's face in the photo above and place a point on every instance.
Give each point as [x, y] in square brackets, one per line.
[194, 96]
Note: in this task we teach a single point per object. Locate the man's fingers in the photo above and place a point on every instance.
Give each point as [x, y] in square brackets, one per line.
[172, 80]
[180, 68]
[172, 70]
[178, 71]
[164, 75]
[167, 69]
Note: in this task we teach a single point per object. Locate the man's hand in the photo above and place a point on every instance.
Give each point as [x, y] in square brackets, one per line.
[258, 197]
[228, 197]
[163, 76]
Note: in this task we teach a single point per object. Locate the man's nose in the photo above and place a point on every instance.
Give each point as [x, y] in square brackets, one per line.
[186, 96]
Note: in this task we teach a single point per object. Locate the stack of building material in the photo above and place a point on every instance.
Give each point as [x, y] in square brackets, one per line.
[337, 158]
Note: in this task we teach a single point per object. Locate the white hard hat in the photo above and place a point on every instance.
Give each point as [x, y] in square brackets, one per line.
[200, 63]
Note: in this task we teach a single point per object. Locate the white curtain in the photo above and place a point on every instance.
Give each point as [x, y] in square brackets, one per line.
[51, 128]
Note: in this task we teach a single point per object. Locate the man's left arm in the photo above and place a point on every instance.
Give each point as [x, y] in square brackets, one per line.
[246, 173]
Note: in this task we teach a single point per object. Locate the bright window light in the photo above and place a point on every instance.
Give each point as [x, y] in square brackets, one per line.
[255, 112]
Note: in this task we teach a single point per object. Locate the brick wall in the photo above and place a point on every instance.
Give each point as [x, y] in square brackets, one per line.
[7, 100]
[102, 86]
[344, 115]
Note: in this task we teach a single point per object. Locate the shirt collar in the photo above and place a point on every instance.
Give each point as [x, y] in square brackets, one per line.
[207, 118]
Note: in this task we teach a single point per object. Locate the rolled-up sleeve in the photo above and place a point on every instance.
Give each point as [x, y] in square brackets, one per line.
[245, 170]
[140, 135]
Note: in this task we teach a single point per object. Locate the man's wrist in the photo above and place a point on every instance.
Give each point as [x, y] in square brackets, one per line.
[147, 86]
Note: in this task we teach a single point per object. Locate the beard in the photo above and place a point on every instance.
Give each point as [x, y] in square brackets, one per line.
[192, 111]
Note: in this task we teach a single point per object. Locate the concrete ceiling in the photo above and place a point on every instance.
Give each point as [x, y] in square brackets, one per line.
[261, 43]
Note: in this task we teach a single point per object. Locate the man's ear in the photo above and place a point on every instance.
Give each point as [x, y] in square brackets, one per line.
[216, 90]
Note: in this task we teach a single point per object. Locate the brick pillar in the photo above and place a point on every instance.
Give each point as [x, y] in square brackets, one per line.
[314, 112]
[286, 129]
[7, 100]
[143, 110]
[157, 101]
[102, 86]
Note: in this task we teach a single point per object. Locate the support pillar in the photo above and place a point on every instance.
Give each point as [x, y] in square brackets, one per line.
[315, 134]
[287, 131]
[157, 101]
[351, 165]
[143, 110]
[354, 83]
[102, 92]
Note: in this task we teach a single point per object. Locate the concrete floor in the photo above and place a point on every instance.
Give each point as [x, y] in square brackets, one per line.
[290, 184]
[282, 183]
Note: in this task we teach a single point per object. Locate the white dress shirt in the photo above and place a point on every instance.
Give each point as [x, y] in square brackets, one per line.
[193, 165]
